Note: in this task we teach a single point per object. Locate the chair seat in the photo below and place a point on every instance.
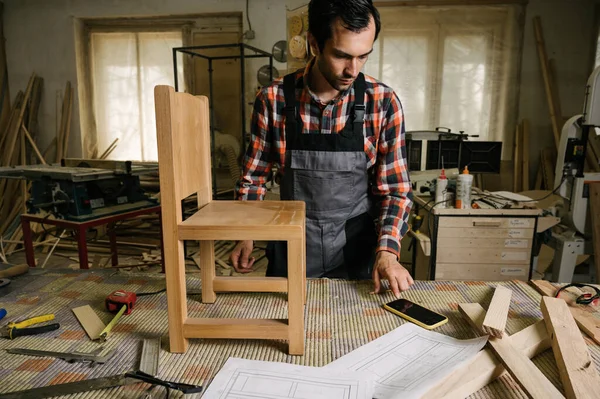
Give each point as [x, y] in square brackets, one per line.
[245, 220]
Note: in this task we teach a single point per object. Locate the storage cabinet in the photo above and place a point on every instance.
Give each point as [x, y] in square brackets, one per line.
[475, 244]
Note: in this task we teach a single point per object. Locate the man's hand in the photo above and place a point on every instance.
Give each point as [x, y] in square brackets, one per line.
[387, 267]
[240, 256]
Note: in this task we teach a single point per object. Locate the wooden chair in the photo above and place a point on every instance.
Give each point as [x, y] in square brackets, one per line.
[182, 124]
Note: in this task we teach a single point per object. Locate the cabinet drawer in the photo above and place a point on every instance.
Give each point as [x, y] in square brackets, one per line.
[481, 272]
[483, 232]
[506, 243]
[483, 255]
[487, 222]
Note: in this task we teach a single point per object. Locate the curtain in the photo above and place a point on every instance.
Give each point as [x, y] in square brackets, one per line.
[126, 66]
[453, 67]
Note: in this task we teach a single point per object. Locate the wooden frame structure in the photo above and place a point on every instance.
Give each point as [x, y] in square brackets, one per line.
[183, 132]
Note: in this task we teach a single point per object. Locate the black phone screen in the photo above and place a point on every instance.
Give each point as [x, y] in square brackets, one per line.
[416, 312]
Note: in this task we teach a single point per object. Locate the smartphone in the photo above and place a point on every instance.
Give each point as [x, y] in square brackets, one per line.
[416, 313]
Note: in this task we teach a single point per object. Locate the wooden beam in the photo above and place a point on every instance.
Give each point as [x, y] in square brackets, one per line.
[517, 160]
[32, 143]
[584, 319]
[495, 319]
[575, 365]
[485, 366]
[523, 371]
[549, 85]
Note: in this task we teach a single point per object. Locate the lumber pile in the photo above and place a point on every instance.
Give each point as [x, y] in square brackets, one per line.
[511, 354]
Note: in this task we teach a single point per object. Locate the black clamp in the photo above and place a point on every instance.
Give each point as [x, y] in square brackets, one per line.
[584, 299]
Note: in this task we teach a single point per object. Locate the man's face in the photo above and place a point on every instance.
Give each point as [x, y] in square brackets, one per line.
[344, 54]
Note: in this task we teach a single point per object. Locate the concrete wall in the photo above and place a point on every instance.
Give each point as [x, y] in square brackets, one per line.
[40, 38]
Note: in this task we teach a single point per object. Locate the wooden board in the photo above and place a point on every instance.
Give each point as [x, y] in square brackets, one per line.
[586, 321]
[525, 154]
[575, 365]
[495, 319]
[89, 320]
[520, 367]
[481, 271]
[503, 256]
[488, 222]
[485, 366]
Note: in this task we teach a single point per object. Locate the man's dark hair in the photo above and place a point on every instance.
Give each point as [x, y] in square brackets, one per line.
[355, 16]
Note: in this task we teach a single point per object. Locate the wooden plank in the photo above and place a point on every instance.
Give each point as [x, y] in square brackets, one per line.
[485, 366]
[461, 242]
[548, 162]
[575, 365]
[33, 146]
[520, 367]
[586, 321]
[594, 202]
[548, 84]
[488, 222]
[485, 233]
[504, 256]
[525, 129]
[89, 320]
[495, 318]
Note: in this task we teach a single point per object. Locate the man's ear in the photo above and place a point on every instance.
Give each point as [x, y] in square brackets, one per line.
[312, 43]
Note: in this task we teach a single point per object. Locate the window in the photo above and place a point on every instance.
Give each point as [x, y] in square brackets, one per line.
[125, 67]
[453, 67]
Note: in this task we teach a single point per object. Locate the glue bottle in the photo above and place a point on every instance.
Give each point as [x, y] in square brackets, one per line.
[440, 190]
[464, 182]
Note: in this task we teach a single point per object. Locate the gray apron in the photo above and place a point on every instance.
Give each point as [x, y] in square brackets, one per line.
[329, 173]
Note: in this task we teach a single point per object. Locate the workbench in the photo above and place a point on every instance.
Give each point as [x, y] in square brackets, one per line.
[80, 229]
[340, 317]
[474, 244]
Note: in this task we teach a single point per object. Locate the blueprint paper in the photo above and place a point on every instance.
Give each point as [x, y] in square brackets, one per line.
[408, 361]
[242, 379]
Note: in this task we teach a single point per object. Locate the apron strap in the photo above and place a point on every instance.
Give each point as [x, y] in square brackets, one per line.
[359, 104]
[289, 92]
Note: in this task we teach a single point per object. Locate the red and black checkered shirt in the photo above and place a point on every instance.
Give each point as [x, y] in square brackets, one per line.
[384, 146]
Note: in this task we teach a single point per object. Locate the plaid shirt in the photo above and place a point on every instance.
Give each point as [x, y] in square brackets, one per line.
[384, 147]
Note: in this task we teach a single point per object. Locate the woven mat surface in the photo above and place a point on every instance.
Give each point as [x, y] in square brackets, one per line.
[340, 317]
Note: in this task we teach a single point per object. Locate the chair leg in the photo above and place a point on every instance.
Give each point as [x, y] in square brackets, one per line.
[296, 289]
[207, 266]
[176, 296]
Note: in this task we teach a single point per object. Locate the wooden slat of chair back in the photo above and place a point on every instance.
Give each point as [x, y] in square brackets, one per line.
[183, 133]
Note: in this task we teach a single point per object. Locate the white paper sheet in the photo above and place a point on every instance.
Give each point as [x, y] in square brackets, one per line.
[408, 361]
[242, 379]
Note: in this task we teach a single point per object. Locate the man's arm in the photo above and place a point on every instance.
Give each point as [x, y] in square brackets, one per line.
[393, 185]
[392, 181]
[256, 163]
[256, 166]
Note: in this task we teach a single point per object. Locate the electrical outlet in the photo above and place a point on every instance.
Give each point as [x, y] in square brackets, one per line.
[249, 34]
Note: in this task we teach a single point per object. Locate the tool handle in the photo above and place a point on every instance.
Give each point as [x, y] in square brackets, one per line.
[21, 332]
[14, 271]
[33, 320]
[2, 313]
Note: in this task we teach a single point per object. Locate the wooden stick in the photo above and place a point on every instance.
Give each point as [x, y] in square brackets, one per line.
[109, 149]
[517, 160]
[52, 249]
[32, 143]
[523, 371]
[543, 56]
[495, 319]
[68, 122]
[586, 321]
[525, 154]
[575, 365]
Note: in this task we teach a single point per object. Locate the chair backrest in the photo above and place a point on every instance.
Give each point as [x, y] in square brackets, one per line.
[184, 162]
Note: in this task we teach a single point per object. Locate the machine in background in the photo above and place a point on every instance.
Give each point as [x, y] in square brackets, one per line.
[84, 189]
[572, 184]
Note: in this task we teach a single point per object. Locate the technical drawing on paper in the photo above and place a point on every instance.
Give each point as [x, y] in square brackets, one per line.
[408, 361]
[242, 379]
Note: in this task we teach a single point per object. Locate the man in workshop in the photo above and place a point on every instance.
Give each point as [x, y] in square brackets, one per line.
[337, 137]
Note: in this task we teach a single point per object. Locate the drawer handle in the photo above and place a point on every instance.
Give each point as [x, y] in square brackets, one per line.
[482, 223]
